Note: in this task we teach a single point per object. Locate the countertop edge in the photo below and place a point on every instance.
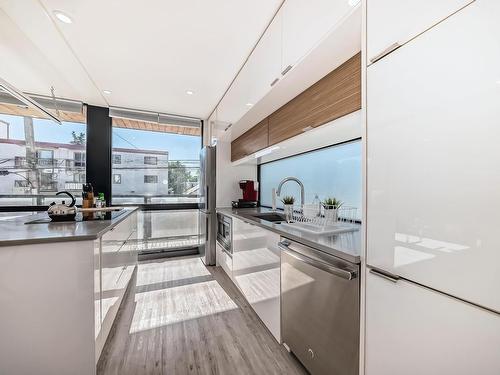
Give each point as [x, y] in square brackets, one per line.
[75, 238]
[323, 248]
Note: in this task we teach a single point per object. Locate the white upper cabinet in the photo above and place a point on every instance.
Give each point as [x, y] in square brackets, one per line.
[412, 330]
[433, 172]
[255, 79]
[395, 21]
[305, 23]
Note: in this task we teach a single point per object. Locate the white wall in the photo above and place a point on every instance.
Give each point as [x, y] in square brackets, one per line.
[228, 175]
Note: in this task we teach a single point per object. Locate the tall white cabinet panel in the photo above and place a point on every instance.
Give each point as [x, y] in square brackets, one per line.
[396, 21]
[412, 330]
[305, 22]
[433, 131]
[256, 271]
[254, 80]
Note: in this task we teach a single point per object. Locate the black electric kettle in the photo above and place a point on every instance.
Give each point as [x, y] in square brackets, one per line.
[61, 211]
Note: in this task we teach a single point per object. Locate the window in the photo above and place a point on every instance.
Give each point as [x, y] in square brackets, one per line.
[158, 164]
[19, 161]
[45, 157]
[151, 160]
[79, 159]
[329, 172]
[22, 183]
[34, 156]
[117, 178]
[79, 177]
[148, 179]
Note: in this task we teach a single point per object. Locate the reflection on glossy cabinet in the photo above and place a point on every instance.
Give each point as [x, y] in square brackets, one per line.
[413, 330]
[395, 22]
[256, 271]
[441, 115]
[252, 141]
[118, 260]
[305, 23]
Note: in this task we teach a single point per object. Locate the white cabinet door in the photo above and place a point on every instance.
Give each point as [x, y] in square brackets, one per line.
[306, 22]
[256, 271]
[396, 21]
[412, 330]
[433, 137]
[254, 80]
[117, 265]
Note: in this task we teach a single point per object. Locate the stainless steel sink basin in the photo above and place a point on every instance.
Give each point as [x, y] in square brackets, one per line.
[270, 216]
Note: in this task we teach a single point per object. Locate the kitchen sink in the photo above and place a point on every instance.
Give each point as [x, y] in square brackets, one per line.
[270, 216]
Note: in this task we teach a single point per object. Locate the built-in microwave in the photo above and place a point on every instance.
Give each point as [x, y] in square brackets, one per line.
[224, 233]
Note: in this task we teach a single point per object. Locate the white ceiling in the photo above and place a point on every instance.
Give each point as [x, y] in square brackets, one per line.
[147, 53]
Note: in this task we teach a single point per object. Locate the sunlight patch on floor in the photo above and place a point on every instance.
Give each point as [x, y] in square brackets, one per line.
[171, 270]
[173, 305]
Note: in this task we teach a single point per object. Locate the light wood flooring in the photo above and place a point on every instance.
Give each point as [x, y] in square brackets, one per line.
[180, 317]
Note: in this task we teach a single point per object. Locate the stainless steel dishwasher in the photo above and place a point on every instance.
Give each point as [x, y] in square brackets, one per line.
[320, 309]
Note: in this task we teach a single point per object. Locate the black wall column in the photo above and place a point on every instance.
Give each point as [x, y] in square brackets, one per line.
[99, 138]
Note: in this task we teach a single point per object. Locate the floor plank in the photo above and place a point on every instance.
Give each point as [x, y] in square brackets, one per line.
[181, 317]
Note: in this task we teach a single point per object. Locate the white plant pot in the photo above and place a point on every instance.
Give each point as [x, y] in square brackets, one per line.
[288, 208]
[331, 215]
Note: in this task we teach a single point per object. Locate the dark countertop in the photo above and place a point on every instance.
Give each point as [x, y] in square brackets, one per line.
[14, 231]
[343, 245]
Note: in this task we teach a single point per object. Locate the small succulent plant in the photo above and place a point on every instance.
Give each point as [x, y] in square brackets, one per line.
[332, 203]
[288, 199]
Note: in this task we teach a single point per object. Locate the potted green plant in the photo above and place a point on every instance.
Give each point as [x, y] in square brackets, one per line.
[288, 202]
[331, 206]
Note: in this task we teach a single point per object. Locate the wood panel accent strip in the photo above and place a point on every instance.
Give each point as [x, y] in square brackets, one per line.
[251, 141]
[335, 95]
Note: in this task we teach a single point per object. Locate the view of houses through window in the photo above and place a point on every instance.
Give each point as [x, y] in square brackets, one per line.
[39, 157]
[154, 166]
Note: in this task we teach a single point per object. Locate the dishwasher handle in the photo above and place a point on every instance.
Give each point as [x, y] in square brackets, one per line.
[340, 272]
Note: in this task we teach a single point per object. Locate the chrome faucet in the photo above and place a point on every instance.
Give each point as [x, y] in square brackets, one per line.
[302, 192]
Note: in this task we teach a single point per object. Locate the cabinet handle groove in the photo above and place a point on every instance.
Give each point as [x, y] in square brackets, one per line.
[384, 275]
[274, 82]
[394, 46]
[287, 69]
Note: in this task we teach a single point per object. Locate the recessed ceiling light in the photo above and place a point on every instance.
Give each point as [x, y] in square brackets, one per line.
[249, 104]
[107, 92]
[63, 17]
[190, 92]
[353, 3]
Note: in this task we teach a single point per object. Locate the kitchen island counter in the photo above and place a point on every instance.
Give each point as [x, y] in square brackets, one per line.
[15, 231]
[346, 246]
